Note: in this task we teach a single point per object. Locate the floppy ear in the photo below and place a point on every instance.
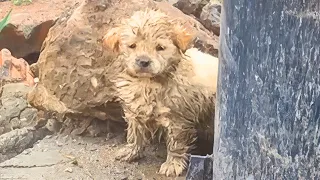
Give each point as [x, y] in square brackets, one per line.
[182, 38]
[111, 40]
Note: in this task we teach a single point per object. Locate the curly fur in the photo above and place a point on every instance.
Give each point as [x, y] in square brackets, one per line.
[170, 96]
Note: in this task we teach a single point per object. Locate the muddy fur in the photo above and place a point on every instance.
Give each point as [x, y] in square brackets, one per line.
[165, 96]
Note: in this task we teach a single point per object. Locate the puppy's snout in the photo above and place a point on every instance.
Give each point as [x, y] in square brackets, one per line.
[143, 61]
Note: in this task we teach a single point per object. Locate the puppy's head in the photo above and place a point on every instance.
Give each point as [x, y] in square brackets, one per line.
[149, 43]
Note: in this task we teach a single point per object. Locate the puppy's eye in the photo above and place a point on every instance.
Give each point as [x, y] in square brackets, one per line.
[160, 48]
[132, 46]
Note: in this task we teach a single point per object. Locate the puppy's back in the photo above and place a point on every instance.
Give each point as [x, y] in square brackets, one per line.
[205, 68]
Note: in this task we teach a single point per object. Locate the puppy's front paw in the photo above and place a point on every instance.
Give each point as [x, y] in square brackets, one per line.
[129, 153]
[173, 168]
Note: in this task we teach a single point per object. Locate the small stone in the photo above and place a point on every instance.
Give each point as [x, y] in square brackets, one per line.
[27, 151]
[109, 136]
[36, 80]
[15, 123]
[53, 125]
[69, 170]
[1, 130]
[28, 115]
[59, 143]
[93, 149]
[94, 82]
[13, 106]
[23, 119]
[74, 162]
[48, 137]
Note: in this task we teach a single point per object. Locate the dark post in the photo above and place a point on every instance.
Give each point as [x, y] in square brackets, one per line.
[268, 104]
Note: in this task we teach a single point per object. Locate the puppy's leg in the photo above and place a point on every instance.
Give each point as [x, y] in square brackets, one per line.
[136, 137]
[180, 140]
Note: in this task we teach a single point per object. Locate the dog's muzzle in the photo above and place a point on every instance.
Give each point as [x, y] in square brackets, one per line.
[143, 61]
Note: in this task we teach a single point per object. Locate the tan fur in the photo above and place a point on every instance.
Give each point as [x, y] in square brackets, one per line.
[205, 68]
[164, 97]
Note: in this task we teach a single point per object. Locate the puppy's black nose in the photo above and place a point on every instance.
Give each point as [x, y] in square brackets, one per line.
[143, 61]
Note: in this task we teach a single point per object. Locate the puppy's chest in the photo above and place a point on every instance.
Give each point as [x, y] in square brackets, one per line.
[146, 99]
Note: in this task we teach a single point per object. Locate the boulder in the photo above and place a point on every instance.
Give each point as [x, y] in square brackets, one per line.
[205, 11]
[16, 141]
[205, 40]
[73, 66]
[14, 70]
[210, 17]
[28, 26]
[189, 7]
[15, 112]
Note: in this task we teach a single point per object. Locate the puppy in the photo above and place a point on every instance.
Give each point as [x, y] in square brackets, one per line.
[158, 87]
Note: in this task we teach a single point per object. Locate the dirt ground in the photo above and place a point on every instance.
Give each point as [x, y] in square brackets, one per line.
[64, 157]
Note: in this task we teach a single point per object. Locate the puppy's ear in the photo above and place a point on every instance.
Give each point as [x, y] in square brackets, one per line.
[182, 38]
[111, 40]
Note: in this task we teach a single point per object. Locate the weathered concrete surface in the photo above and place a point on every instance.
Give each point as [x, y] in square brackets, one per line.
[63, 157]
[268, 104]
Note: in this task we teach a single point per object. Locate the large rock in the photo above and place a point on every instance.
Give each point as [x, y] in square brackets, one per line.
[189, 7]
[73, 67]
[16, 141]
[205, 11]
[205, 41]
[15, 112]
[210, 17]
[29, 24]
[14, 70]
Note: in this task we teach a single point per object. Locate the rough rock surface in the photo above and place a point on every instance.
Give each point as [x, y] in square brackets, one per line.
[73, 65]
[24, 44]
[189, 7]
[16, 141]
[14, 70]
[205, 11]
[210, 17]
[205, 41]
[29, 25]
[15, 112]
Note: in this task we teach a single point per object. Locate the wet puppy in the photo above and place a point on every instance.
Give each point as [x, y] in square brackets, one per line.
[160, 87]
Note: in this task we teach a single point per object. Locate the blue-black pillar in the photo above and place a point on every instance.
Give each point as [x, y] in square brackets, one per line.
[268, 103]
